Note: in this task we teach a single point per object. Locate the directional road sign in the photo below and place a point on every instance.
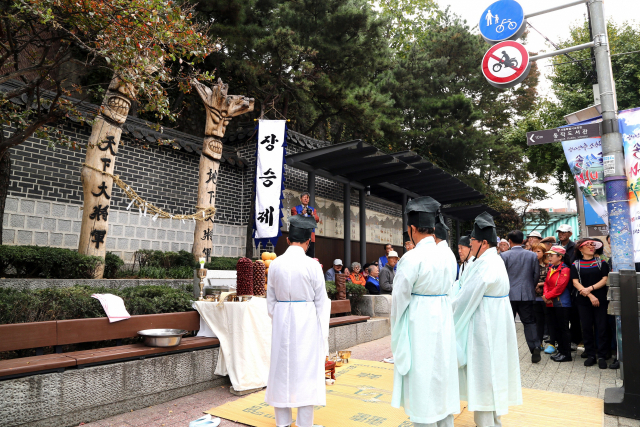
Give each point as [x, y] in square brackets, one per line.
[503, 20]
[567, 133]
[506, 64]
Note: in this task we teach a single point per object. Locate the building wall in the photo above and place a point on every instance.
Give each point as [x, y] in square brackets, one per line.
[45, 196]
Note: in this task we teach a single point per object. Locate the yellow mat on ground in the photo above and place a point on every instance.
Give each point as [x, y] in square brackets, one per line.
[361, 397]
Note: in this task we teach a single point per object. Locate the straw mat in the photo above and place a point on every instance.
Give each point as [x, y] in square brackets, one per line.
[361, 397]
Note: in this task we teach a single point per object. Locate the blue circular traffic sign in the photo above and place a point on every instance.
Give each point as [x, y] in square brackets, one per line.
[503, 20]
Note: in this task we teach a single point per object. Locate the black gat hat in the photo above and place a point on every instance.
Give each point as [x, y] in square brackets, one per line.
[300, 227]
[422, 212]
[484, 228]
[441, 230]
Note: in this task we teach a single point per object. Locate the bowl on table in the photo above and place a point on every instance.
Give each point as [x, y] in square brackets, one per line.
[162, 337]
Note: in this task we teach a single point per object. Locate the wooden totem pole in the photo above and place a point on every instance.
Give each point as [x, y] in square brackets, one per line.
[101, 155]
[220, 109]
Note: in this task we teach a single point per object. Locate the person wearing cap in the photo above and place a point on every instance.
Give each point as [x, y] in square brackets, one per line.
[383, 260]
[549, 242]
[422, 334]
[564, 237]
[309, 212]
[336, 269]
[298, 305]
[524, 271]
[589, 274]
[503, 246]
[387, 273]
[441, 242]
[487, 346]
[534, 238]
[408, 244]
[558, 301]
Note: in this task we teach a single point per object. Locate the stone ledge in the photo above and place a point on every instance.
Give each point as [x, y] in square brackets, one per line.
[343, 337]
[89, 394]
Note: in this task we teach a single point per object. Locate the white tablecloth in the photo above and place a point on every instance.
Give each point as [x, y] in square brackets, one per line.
[244, 331]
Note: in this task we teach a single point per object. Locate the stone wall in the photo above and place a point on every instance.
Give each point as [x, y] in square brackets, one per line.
[83, 395]
[33, 284]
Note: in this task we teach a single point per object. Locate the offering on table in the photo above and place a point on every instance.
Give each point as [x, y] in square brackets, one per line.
[244, 281]
[259, 278]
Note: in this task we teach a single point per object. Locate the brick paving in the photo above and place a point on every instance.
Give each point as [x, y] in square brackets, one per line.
[572, 378]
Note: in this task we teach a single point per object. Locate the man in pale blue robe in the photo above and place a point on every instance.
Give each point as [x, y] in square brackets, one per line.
[422, 333]
[485, 331]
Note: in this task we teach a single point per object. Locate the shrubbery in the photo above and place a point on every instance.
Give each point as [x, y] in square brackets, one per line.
[46, 262]
[221, 264]
[112, 264]
[19, 306]
[159, 259]
[354, 292]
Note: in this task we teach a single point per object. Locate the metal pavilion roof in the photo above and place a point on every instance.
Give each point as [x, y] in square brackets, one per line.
[388, 176]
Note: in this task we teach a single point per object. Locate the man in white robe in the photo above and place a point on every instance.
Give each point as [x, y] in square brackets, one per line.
[422, 333]
[485, 331]
[441, 242]
[300, 309]
[464, 252]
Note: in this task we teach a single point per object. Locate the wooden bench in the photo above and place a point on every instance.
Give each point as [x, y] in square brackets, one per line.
[65, 332]
[343, 307]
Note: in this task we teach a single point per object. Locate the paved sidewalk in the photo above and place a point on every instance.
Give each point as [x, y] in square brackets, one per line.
[572, 378]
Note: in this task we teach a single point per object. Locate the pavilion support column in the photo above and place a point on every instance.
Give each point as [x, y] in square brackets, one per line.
[363, 227]
[311, 188]
[404, 219]
[347, 225]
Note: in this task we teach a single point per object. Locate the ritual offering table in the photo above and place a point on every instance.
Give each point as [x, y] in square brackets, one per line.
[244, 331]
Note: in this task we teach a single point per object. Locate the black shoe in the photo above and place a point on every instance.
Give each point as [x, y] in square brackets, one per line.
[602, 363]
[562, 358]
[615, 364]
[590, 361]
[555, 356]
[535, 356]
[584, 355]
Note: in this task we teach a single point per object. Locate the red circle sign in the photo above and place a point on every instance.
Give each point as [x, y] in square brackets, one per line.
[506, 64]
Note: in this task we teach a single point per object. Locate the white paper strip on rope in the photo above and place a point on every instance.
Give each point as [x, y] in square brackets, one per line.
[270, 154]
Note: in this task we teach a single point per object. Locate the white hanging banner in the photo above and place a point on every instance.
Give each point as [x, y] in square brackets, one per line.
[269, 181]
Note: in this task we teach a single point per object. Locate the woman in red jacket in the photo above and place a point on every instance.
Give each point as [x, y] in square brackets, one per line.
[557, 296]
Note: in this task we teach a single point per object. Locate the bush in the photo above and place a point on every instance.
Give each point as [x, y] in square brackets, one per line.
[112, 265]
[221, 263]
[45, 262]
[159, 259]
[19, 306]
[354, 292]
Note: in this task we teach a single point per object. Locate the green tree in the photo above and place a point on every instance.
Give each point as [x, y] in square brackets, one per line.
[47, 48]
[312, 61]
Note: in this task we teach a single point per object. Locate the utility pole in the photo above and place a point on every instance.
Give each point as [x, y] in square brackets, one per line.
[612, 151]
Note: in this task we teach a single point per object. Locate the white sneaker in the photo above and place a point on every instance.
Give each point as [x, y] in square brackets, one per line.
[388, 360]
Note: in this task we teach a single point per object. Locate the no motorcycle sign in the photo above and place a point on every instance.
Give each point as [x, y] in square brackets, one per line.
[506, 64]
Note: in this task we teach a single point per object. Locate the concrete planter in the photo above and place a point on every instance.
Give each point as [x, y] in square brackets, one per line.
[375, 305]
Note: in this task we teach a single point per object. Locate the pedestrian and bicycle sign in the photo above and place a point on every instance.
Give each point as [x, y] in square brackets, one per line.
[503, 20]
[506, 64]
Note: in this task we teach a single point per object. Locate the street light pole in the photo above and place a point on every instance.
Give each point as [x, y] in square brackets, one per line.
[612, 152]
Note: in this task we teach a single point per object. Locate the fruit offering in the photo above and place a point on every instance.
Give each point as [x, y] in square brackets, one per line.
[259, 270]
[244, 280]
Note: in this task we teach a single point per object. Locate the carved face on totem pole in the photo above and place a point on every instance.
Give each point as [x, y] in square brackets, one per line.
[220, 109]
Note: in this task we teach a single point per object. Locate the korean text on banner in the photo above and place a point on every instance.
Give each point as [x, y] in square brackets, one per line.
[585, 161]
[270, 154]
[629, 122]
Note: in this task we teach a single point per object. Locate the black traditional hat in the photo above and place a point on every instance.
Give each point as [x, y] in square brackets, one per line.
[441, 231]
[484, 228]
[405, 237]
[465, 241]
[422, 212]
[300, 228]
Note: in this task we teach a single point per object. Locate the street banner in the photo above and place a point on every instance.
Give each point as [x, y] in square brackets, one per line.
[585, 161]
[629, 122]
[269, 181]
